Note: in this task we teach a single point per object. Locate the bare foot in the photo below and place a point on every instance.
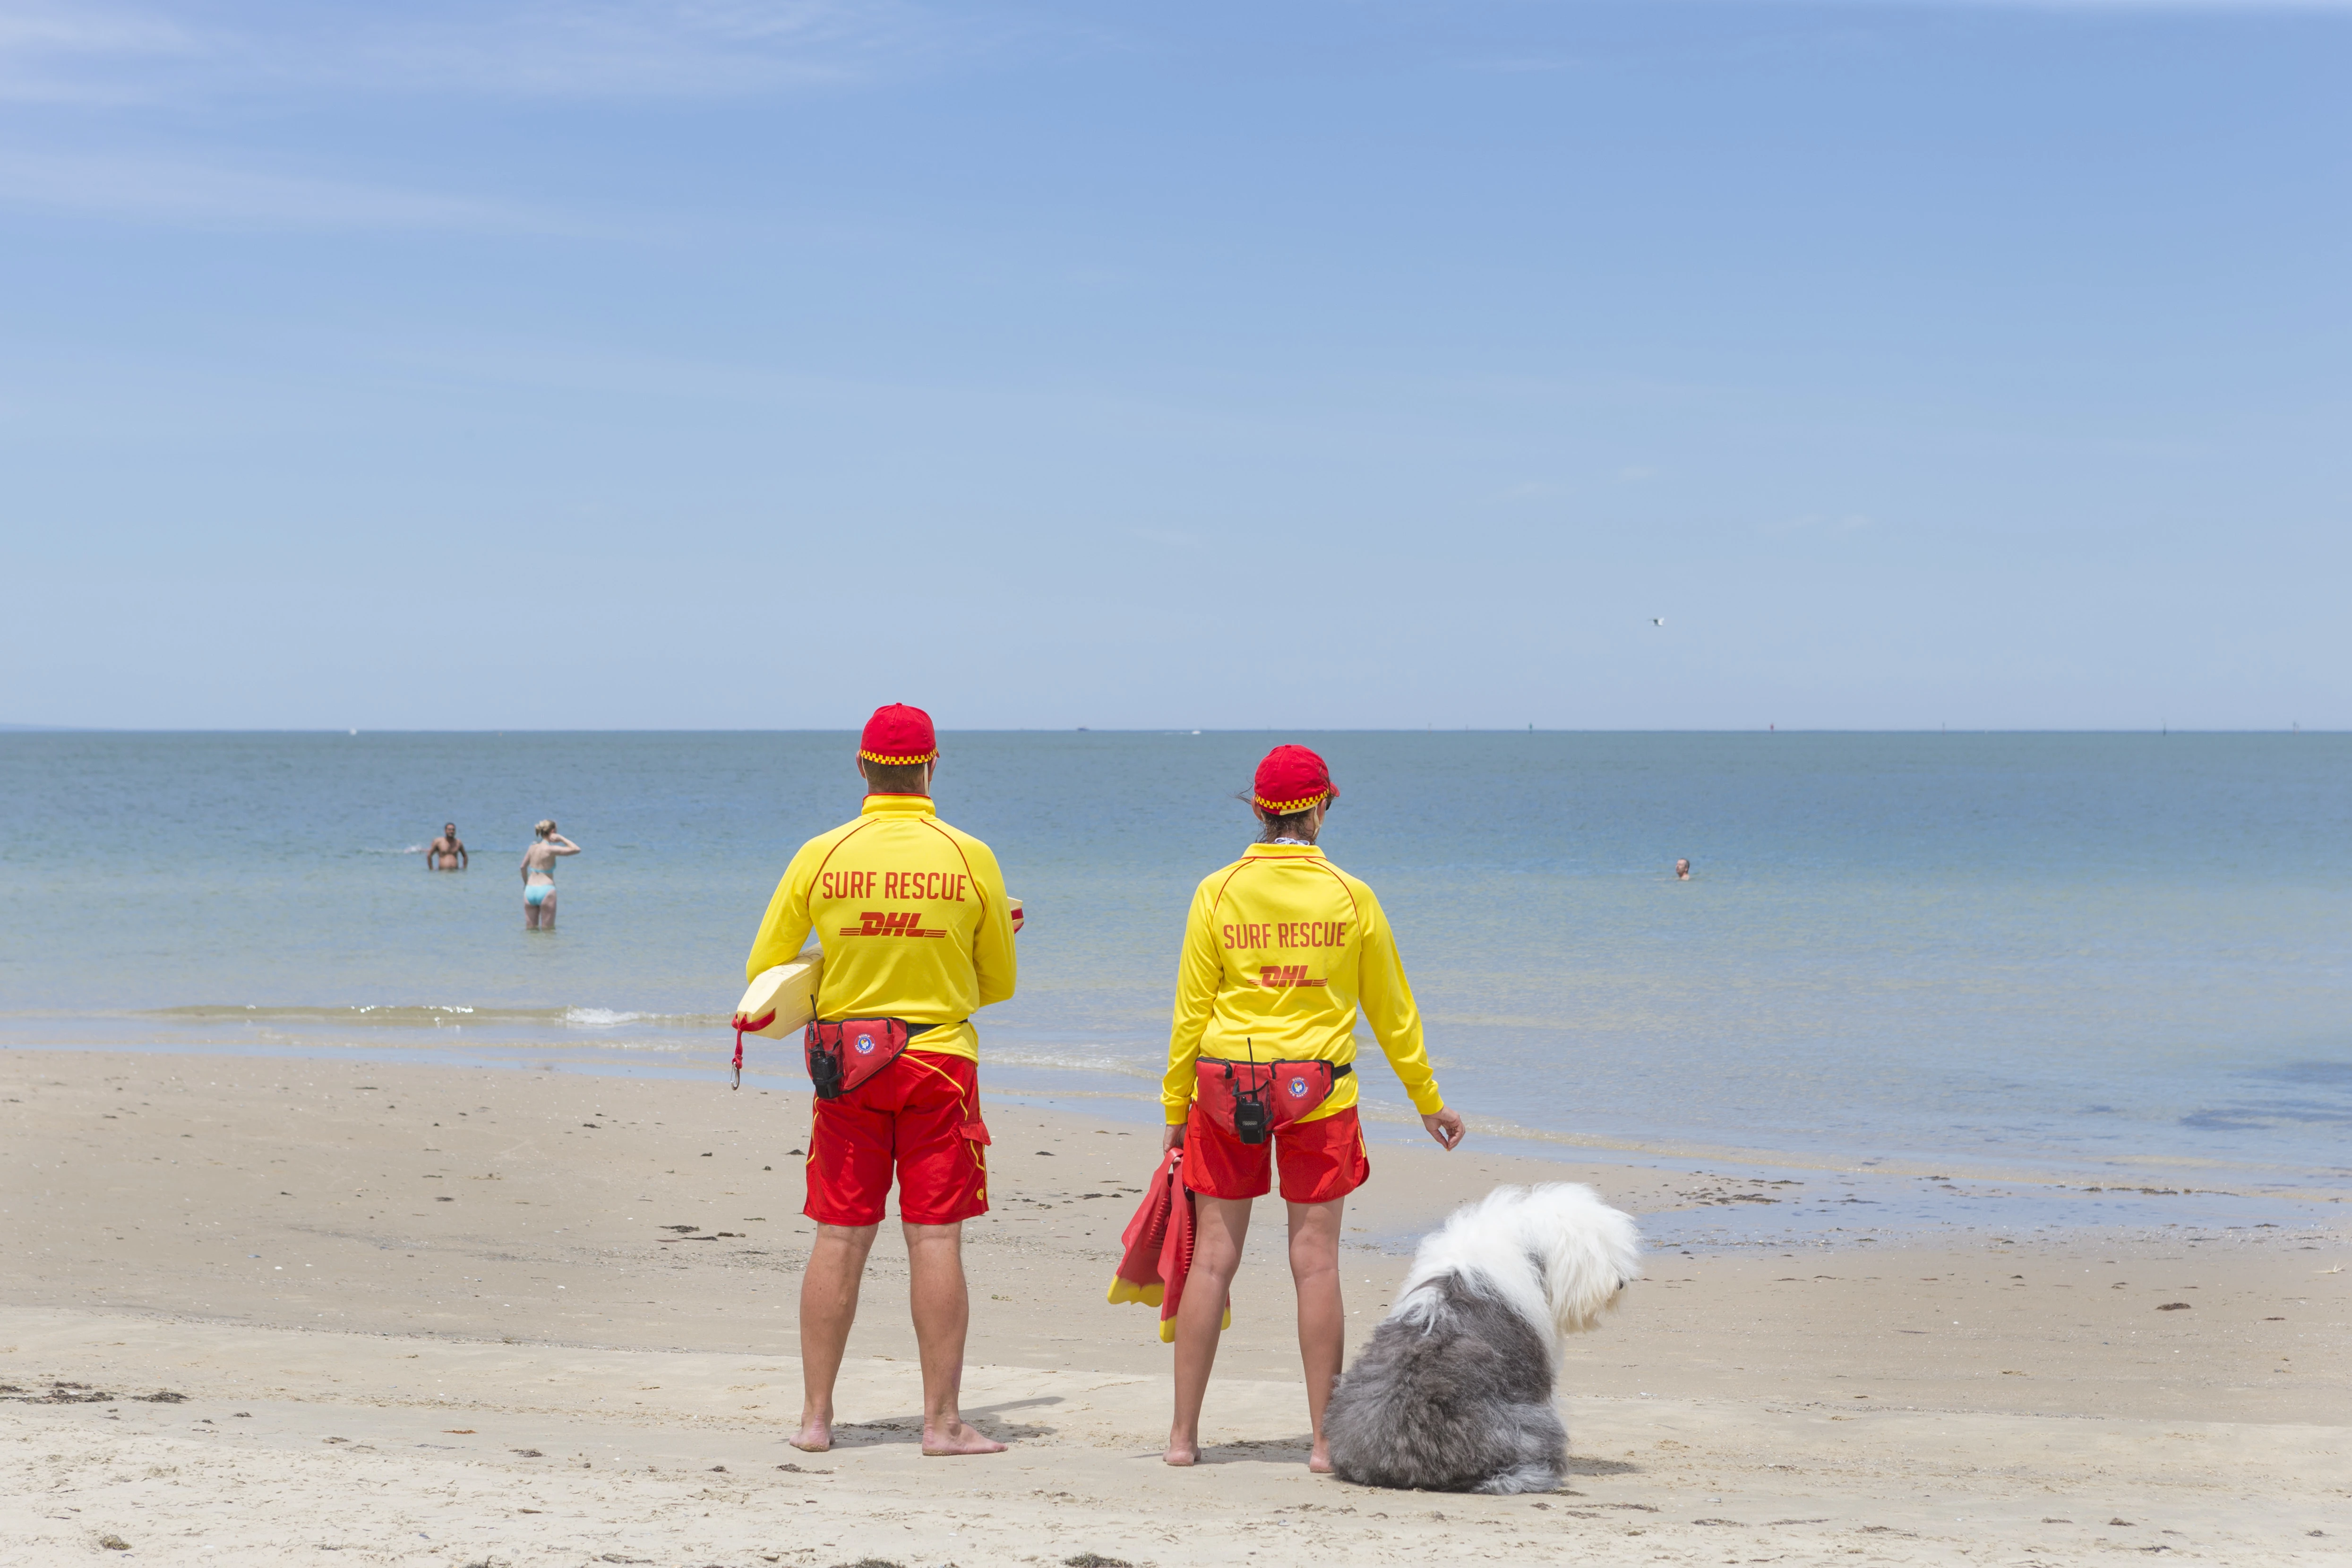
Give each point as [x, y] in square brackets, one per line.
[1319, 1459]
[1183, 1453]
[815, 1435]
[958, 1438]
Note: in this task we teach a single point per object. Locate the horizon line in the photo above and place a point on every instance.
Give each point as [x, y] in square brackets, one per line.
[1175, 731]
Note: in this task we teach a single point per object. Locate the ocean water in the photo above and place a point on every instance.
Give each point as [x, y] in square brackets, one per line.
[2105, 959]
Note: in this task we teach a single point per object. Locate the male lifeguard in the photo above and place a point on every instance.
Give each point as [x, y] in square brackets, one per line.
[918, 933]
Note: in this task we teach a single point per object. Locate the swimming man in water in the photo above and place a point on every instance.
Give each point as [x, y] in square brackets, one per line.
[1681, 871]
[447, 853]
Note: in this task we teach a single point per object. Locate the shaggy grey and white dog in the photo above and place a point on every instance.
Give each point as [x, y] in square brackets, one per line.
[1454, 1392]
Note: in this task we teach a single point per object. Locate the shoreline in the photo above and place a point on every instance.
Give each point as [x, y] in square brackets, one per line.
[1917, 1195]
[442, 1266]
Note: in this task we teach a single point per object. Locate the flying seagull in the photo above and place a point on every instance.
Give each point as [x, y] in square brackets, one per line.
[1657, 619]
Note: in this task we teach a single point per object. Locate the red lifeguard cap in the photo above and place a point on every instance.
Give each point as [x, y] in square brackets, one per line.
[899, 734]
[1292, 779]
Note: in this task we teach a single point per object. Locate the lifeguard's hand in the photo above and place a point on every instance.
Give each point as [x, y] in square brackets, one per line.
[1172, 1139]
[1446, 1127]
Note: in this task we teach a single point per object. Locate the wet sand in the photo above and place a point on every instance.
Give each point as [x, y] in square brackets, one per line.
[426, 1314]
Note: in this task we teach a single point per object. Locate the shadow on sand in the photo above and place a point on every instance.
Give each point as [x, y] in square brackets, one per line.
[986, 1418]
[1260, 1450]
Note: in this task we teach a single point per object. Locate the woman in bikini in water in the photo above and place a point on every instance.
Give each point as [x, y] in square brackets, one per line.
[539, 875]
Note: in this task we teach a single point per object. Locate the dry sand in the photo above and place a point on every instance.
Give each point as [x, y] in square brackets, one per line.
[279, 1311]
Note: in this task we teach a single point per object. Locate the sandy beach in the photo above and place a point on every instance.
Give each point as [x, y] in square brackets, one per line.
[297, 1310]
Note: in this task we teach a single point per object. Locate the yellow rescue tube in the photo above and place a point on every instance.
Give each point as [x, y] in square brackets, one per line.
[781, 1000]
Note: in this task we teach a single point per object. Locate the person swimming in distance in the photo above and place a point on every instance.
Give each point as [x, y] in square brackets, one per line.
[446, 852]
[1682, 870]
[539, 875]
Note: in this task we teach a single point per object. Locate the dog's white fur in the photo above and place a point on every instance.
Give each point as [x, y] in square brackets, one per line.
[1555, 1252]
[1454, 1391]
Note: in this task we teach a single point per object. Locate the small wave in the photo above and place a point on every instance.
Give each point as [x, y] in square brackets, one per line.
[1071, 1061]
[430, 1015]
[411, 1014]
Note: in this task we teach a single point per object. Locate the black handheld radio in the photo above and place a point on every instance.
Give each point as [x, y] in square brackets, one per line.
[824, 1072]
[1253, 1117]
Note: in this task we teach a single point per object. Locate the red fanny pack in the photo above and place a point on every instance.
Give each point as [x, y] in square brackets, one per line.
[841, 1056]
[1250, 1099]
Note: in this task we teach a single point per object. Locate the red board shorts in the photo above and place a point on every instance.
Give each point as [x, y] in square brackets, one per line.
[921, 1115]
[1320, 1160]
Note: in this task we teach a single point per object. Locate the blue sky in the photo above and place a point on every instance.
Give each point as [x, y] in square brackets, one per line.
[728, 363]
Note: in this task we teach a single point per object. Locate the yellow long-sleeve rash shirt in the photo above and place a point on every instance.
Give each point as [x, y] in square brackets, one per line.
[1283, 950]
[912, 917]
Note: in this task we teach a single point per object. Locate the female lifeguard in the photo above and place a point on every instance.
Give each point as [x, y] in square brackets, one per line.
[539, 875]
[1283, 950]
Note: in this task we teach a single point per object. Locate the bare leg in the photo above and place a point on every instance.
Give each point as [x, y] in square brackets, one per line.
[1322, 1315]
[1221, 1226]
[828, 1306]
[547, 912]
[530, 915]
[942, 1315]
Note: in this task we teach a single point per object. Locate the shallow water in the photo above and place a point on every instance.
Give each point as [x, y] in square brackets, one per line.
[2007, 955]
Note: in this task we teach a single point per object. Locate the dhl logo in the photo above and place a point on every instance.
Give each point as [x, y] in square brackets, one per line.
[1283, 976]
[888, 923]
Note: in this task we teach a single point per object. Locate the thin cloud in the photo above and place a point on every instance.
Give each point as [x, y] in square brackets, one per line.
[60, 53]
[27, 28]
[180, 192]
[529, 49]
[1520, 64]
[628, 48]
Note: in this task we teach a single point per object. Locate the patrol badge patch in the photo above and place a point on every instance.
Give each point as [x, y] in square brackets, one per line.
[1299, 1089]
[865, 1045]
